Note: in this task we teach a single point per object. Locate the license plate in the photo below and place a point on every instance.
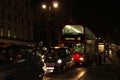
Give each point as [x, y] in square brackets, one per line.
[50, 64]
[49, 68]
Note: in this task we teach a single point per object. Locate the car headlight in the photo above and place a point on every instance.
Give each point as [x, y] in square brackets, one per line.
[43, 60]
[42, 56]
[59, 61]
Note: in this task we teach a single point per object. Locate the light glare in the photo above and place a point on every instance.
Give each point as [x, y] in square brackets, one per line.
[55, 4]
[44, 6]
[59, 61]
[81, 58]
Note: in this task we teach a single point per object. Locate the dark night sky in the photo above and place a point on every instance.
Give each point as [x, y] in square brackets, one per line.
[97, 15]
[100, 16]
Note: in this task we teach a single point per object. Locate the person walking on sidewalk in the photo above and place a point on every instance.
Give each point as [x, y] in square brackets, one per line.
[107, 58]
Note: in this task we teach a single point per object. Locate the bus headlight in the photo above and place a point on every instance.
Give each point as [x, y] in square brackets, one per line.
[59, 61]
[81, 58]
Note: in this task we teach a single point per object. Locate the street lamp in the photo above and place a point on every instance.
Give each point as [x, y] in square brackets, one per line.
[49, 8]
[54, 5]
[44, 6]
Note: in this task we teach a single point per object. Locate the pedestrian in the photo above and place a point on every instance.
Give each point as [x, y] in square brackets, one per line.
[98, 60]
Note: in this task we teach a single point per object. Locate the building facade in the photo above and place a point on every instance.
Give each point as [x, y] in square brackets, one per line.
[16, 20]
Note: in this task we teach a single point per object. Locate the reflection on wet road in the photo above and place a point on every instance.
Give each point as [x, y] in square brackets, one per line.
[73, 74]
[102, 72]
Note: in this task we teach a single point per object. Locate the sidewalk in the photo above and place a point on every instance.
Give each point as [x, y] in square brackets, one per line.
[115, 58]
[113, 66]
[111, 59]
[105, 71]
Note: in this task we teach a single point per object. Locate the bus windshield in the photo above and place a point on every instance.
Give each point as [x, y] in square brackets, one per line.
[78, 48]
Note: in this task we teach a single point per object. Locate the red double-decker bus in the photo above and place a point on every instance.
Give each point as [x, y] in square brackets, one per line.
[81, 40]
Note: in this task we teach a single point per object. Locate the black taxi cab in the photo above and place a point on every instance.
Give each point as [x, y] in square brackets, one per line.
[59, 59]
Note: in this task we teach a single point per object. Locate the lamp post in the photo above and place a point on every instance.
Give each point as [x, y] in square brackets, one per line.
[49, 9]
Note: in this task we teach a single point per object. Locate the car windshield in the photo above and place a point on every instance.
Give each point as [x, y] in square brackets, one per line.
[61, 52]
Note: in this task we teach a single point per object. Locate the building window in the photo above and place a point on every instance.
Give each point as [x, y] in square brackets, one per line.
[2, 15]
[14, 35]
[9, 16]
[29, 35]
[2, 31]
[9, 3]
[2, 1]
[15, 18]
[22, 32]
[15, 32]
[15, 5]
[22, 21]
[9, 33]
[27, 3]
[28, 24]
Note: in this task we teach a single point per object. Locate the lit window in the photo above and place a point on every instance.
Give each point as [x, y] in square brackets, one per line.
[14, 36]
[15, 33]
[9, 32]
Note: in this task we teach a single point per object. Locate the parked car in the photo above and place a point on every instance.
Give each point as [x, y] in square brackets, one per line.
[59, 59]
[18, 63]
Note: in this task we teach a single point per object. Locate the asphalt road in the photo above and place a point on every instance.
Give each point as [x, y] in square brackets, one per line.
[105, 71]
[101, 72]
